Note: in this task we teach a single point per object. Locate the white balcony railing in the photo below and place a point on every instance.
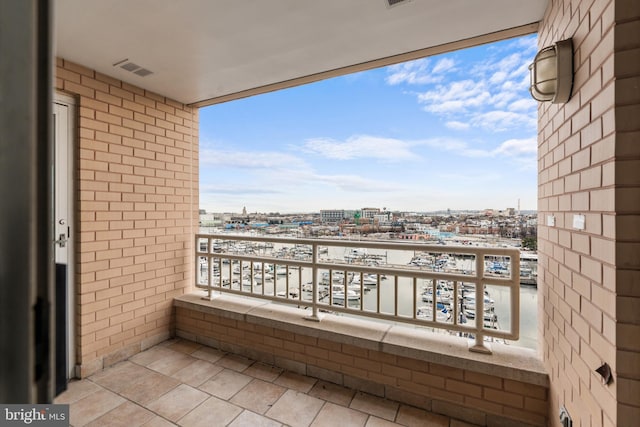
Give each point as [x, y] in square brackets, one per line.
[466, 290]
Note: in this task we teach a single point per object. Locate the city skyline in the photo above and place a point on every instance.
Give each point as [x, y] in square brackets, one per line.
[454, 131]
[243, 211]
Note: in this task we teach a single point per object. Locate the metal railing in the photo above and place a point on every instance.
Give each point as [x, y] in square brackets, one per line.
[442, 287]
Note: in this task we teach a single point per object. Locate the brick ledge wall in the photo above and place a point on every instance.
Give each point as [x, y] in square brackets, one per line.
[433, 372]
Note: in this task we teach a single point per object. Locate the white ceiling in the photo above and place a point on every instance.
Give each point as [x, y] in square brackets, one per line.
[199, 50]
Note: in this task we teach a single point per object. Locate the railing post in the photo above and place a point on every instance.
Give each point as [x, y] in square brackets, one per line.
[209, 266]
[480, 346]
[315, 316]
[515, 296]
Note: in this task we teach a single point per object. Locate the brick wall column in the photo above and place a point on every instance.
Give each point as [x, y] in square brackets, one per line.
[588, 165]
[136, 209]
[627, 196]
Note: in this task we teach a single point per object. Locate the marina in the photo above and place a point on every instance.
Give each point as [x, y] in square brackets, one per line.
[369, 292]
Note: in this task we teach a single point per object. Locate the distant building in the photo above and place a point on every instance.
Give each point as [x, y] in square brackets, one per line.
[332, 216]
[369, 213]
[211, 219]
[383, 218]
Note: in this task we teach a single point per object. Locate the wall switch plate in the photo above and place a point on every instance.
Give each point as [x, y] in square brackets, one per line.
[551, 220]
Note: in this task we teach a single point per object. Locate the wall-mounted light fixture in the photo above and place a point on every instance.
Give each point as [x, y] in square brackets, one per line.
[552, 73]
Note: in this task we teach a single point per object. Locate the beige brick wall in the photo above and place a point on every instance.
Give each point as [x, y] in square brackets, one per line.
[460, 393]
[588, 164]
[627, 221]
[136, 206]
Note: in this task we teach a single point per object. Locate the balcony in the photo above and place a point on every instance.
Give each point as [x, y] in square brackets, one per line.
[389, 281]
[286, 303]
[132, 258]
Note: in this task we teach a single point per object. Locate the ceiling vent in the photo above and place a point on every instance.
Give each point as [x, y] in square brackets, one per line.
[392, 3]
[125, 64]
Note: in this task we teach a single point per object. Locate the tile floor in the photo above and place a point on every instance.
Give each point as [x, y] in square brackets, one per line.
[183, 383]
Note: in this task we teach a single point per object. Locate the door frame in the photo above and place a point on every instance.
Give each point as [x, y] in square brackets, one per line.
[69, 102]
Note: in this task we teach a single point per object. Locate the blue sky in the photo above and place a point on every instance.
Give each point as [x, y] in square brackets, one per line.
[453, 131]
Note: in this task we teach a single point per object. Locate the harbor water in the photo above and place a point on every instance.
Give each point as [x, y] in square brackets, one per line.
[300, 279]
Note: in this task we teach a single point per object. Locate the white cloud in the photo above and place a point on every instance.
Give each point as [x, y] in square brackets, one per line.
[360, 146]
[498, 77]
[455, 125]
[499, 120]
[418, 72]
[443, 65]
[510, 63]
[456, 97]
[249, 159]
[471, 178]
[526, 163]
[523, 104]
[237, 189]
[355, 183]
[459, 147]
[413, 72]
[286, 179]
[526, 45]
[491, 95]
[502, 99]
[518, 147]
[512, 148]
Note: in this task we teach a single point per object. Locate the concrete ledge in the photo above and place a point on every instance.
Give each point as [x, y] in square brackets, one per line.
[509, 362]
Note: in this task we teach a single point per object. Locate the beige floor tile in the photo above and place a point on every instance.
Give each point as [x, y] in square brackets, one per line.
[209, 354]
[120, 376]
[225, 384]
[187, 373]
[374, 421]
[251, 419]
[178, 402]
[258, 396]
[184, 346]
[197, 372]
[295, 409]
[414, 417]
[235, 362]
[158, 421]
[169, 342]
[171, 363]
[151, 355]
[374, 405]
[458, 423]
[126, 415]
[150, 387]
[263, 371]
[213, 412]
[332, 393]
[76, 390]
[295, 381]
[93, 406]
[331, 415]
